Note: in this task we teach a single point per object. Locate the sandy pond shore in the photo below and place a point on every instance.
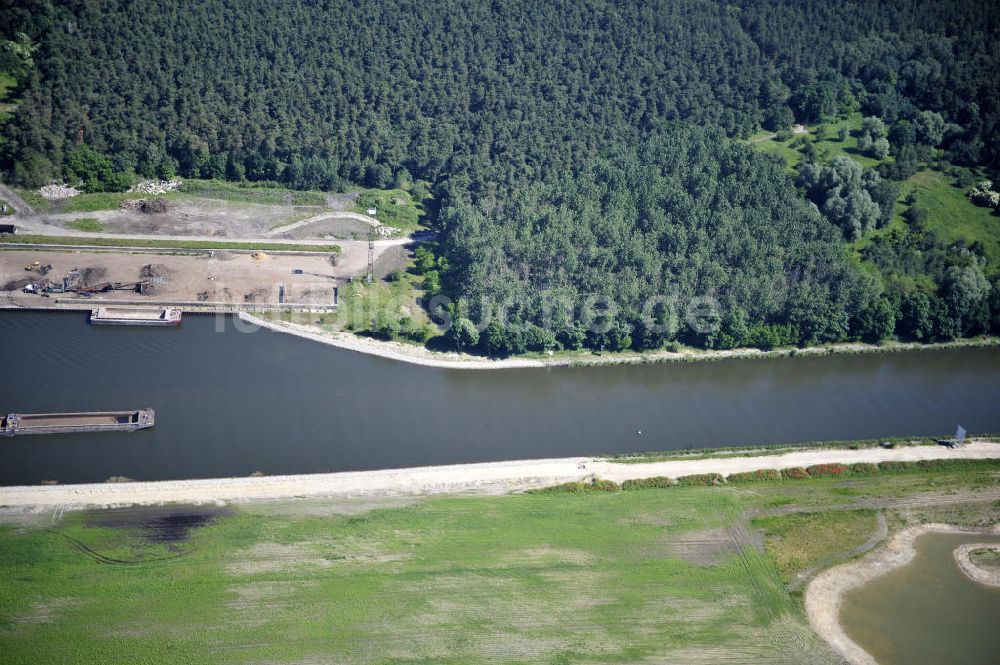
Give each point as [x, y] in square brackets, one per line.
[976, 573]
[419, 355]
[492, 477]
[825, 593]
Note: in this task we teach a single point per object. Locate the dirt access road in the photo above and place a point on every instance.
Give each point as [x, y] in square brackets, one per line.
[491, 477]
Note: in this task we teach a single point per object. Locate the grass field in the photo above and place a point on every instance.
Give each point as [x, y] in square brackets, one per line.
[661, 575]
[950, 214]
[383, 309]
[97, 241]
[828, 147]
[251, 193]
[90, 224]
[92, 202]
[795, 542]
[396, 207]
[7, 105]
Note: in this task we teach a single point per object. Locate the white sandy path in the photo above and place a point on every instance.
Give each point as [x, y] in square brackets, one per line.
[322, 217]
[493, 477]
[825, 594]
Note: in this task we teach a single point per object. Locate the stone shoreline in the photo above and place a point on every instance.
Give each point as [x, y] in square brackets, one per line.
[419, 355]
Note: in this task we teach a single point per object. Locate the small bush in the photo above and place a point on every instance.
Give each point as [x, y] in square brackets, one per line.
[701, 479]
[795, 473]
[895, 466]
[761, 475]
[826, 470]
[864, 469]
[576, 487]
[599, 485]
[647, 483]
[956, 464]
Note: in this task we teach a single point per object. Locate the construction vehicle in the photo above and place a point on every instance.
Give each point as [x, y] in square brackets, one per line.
[36, 266]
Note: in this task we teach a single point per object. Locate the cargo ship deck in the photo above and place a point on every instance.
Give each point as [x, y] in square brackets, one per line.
[135, 316]
[86, 421]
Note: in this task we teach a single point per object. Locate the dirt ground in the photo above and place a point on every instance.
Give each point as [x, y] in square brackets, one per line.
[195, 217]
[226, 277]
[332, 228]
[481, 478]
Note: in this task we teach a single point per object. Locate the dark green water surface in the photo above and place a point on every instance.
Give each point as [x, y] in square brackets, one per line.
[230, 403]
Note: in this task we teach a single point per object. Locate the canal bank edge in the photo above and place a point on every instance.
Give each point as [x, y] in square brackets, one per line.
[419, 355]
[482, 478]
[825, 593]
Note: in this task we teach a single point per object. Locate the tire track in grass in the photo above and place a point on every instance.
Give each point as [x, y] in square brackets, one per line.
[88, 551]
[768, 593]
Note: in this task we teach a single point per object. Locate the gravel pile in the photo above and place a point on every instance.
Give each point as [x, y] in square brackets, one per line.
[155, 187]
[54, 192]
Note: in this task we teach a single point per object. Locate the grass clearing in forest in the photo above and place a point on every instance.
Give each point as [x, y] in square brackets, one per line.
[826, 138]
[394, 207]
[7, 105]
[950, 213]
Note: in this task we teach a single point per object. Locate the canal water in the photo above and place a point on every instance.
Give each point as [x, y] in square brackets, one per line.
[230, 403]
[927, 612]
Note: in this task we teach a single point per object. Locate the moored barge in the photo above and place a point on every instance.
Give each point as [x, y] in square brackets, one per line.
[134, 316]
[86, 421]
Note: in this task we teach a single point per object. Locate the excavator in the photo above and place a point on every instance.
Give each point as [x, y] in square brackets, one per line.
[36, 266]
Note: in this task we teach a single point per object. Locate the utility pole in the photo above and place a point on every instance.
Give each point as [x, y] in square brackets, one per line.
[371, 257]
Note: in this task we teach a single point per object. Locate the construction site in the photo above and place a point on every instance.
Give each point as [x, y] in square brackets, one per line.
[206, 280]
[193, 252]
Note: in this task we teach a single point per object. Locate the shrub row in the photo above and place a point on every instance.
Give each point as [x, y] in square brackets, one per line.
[826, 470]
[764, 475]
[647, 483]
[594, 485]
[758, 476]
[701, 479]
[794, 473]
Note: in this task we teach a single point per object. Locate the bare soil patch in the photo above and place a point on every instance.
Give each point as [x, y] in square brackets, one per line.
[225, 277]
[157, 524]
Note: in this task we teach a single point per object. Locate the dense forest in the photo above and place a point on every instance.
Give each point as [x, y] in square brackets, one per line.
[482, 96]
[654, 230]
[556, 137]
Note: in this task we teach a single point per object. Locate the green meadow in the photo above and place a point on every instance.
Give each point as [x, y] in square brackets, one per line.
[680, 574]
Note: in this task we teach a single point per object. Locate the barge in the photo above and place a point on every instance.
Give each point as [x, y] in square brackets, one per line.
[134, 316]
[87, 421]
